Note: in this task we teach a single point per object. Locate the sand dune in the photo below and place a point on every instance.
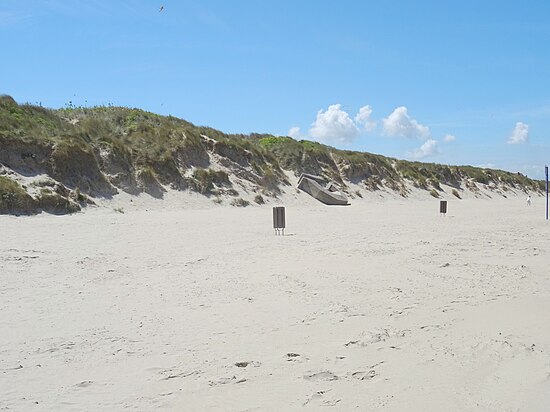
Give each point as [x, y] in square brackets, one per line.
[381, 305]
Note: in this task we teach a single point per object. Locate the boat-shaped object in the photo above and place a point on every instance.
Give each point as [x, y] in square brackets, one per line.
[324, 192]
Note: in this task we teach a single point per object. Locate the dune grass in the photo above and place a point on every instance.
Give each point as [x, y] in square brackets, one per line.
[166, 144]
[14, 198]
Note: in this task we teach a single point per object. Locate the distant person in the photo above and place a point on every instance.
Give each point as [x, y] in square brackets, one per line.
[528, 200]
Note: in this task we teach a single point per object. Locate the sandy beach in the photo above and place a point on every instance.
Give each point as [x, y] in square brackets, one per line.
[382, 305]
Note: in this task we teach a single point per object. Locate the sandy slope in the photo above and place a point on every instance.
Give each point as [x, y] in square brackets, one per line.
[382, 305]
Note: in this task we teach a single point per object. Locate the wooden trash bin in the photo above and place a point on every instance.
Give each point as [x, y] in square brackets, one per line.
[279, 222]
[443, 206]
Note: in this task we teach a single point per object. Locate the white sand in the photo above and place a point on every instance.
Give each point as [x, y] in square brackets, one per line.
[383, 305]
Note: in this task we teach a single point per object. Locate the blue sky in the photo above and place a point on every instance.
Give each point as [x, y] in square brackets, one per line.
[451, 82]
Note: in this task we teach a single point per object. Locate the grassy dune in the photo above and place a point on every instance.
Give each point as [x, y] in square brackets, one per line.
[99, 151]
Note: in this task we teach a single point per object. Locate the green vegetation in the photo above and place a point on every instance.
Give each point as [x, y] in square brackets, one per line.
[55, 203]
[14, 198]
[79, 197]
[269, 142]
[434, 183]
[28, 121]
[97, 151]
[204, 180]
[240, 202]
[44, 183]
[259, 199]
[456, 194]
[423, 175]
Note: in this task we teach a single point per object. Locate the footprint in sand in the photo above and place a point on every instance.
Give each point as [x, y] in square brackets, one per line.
[320, 396]
[225, 381]
[245, 364]
[171, 374]
[364, 375]
[295, 357]
[321, 376]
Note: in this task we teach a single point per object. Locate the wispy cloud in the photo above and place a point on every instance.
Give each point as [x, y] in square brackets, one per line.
[429, 148]
[487, 166]
[8, 18]
[520, 134]
[295, 132]
[364, 118]
[534, 112]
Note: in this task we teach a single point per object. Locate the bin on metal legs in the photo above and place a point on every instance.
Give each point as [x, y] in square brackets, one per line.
[279, 220]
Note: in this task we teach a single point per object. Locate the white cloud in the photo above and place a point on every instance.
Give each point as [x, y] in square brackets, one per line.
[399, 123]
[363, 118]
[520, 134]
[429, 148]
[487, 166]
[449, 138]
[295, 132]
[334, 125]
